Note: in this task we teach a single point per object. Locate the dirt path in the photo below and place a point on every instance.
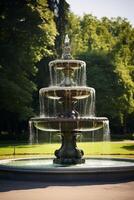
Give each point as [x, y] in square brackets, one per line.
[13, 190]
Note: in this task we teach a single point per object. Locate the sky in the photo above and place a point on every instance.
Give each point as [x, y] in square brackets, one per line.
[101, 8]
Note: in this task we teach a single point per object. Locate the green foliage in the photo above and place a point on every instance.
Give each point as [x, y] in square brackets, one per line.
[32, 33]
[61, 10]
[74, 30]
[27, 34]
[107, 46]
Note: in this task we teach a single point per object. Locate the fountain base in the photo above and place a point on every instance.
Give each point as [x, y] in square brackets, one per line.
[69, 153]
[68, 161]
[43, 169]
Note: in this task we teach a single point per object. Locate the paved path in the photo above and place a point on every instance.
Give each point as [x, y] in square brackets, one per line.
[13, 190]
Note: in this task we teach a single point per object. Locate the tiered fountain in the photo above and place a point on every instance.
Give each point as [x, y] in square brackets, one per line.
[67, 107]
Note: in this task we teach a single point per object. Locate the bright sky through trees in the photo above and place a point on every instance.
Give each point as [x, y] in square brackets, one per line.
[101, 8]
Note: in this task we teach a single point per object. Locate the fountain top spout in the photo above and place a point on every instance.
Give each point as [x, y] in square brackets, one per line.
[67, 39]
[66, 55]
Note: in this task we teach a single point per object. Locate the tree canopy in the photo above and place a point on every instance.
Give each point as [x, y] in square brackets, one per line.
[27, 34]
[32, 34]
[107, 45]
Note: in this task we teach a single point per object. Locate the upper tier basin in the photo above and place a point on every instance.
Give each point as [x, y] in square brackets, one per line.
[62, 64]
[68, 124]
[66, 92]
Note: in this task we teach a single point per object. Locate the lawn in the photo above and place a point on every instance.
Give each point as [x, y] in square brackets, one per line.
[125, 149]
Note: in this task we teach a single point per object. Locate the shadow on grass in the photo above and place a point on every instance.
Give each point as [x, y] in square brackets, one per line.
[19, 146]
[130, 147]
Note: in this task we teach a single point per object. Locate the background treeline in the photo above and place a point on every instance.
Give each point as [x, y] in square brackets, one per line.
[107, 46]
[32, 34]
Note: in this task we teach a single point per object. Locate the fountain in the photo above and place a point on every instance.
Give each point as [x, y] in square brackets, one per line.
[67, 107]
[68, 90]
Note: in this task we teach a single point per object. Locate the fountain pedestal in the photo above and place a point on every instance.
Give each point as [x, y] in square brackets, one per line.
[68, 152]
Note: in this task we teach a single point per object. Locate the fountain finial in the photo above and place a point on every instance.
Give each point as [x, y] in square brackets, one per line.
[67, 40]
[66, 49]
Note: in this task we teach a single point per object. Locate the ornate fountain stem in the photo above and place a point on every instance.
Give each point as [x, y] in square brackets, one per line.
[68, 152]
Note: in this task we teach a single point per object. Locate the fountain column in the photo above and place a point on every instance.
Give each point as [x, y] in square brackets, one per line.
[68, 152]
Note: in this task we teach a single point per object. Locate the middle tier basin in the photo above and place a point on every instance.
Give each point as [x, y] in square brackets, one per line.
[68, 124]
[66, 92]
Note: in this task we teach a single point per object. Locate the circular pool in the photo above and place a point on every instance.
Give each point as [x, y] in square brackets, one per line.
[43, 169]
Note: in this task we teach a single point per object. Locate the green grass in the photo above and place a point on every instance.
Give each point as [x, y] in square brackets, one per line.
[108, 148]
[125, 149]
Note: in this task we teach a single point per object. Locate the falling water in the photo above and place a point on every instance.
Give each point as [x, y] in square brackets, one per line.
[54, 106]
[79, 75]
[32, 132]
[93, 135]
[60, 133]
[51, 76]
[92, 105]
[36, 136]
[106, 131]
[77, 78]
[55, 78]
[33, 136]
[48, 108]
[80, 106]
[50, 137]
[86, 106]
[41, 102]
[84, 74]
[106, 138]
[57, 75]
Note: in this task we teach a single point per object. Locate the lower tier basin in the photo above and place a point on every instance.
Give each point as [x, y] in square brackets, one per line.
[43, 169]
[68, 124]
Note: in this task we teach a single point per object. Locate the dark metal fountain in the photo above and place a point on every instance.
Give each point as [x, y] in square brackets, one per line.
[67, 107]
[76, 104]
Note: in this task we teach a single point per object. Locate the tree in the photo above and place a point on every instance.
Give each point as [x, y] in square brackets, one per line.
[61, 10]
[74, 32]
[27, 34]
[107, 45]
